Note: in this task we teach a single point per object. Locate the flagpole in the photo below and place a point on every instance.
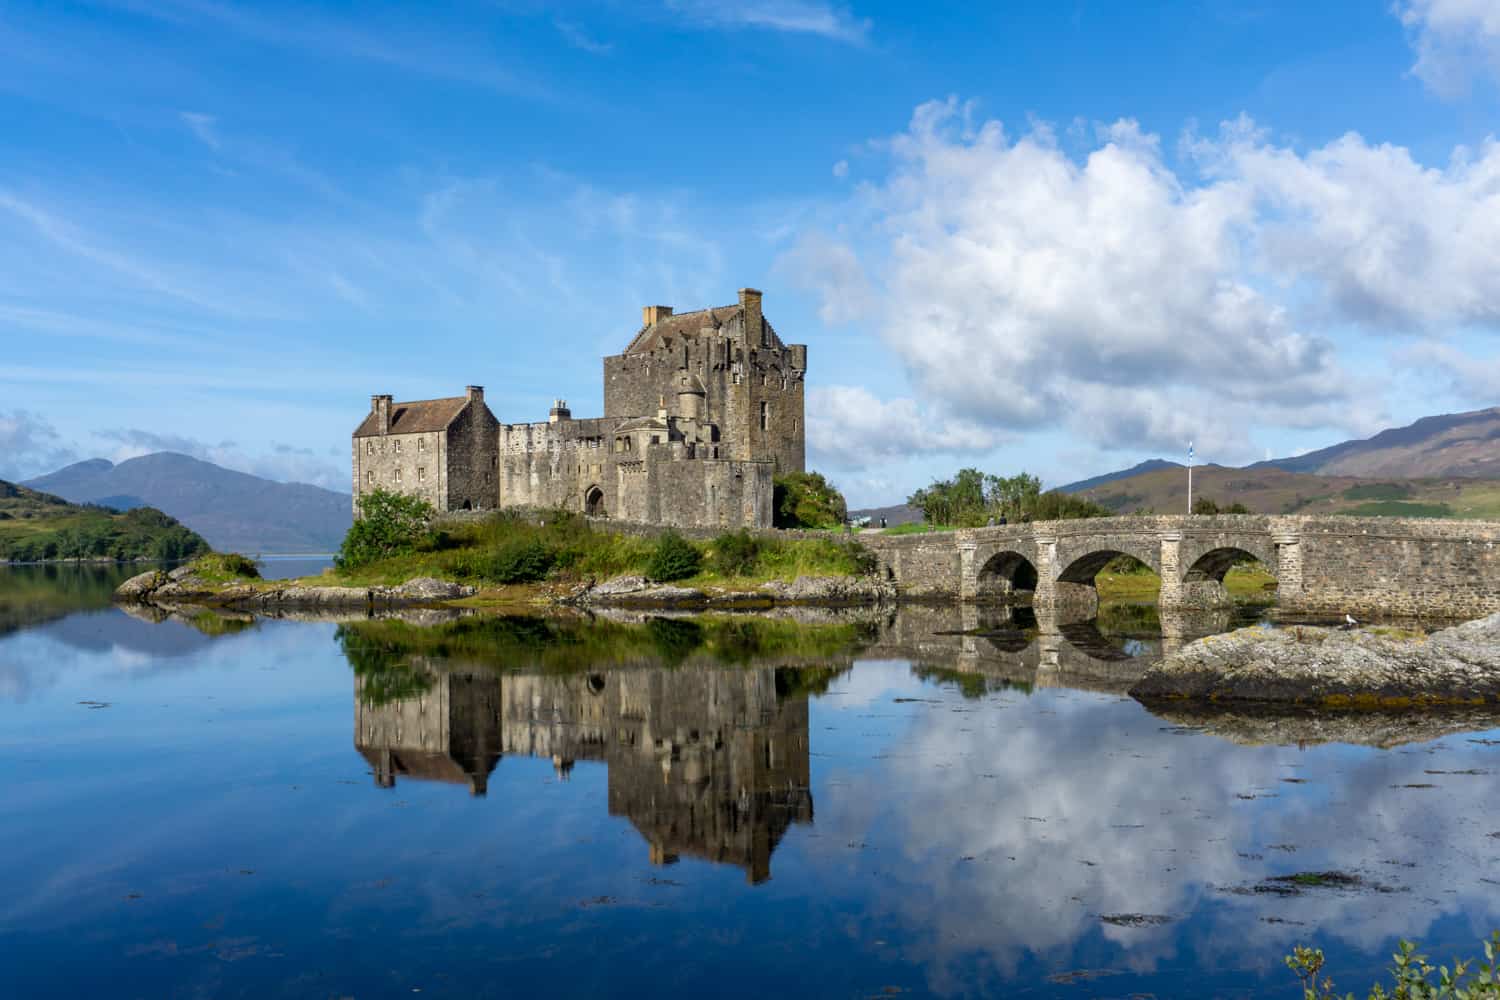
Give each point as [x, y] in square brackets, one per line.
[1190, 477]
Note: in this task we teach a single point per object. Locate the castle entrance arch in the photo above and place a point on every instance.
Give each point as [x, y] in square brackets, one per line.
[593, 502]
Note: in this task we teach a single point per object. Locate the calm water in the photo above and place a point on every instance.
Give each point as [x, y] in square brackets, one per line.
[217, 806]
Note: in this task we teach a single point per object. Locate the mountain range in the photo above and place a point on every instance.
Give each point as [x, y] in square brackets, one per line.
[1444, 465]
[235, 511]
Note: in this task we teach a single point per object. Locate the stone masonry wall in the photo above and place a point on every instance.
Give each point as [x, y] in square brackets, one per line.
[401, 463]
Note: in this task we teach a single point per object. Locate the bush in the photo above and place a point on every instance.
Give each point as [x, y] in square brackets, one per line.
[1411, 974]
[226, 565]
[674, 558]
[524, 560]
[807, 500]
[388, 524]
[735, 553]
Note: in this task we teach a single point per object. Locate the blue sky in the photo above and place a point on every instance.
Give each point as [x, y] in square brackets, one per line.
[1059, 237]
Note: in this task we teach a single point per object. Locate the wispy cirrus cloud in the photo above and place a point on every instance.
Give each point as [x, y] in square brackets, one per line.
[810, 17]
[581, 40]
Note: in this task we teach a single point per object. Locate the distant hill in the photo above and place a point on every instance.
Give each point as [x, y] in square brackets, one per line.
[1452, 444]
[235, 511]
[1269, 490]
[36, 527]
[1150, 465]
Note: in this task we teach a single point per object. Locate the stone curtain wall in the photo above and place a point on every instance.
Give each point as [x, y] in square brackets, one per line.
[1360, 566]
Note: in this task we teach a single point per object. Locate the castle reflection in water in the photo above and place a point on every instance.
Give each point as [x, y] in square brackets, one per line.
[704, 763]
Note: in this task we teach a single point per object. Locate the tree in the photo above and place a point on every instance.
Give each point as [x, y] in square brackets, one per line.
[388, 524]
[807, 500]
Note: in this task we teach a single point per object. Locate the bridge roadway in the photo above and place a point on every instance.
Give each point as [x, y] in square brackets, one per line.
[1331, 564]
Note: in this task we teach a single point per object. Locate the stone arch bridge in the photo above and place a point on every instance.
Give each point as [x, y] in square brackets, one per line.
[1361, 566]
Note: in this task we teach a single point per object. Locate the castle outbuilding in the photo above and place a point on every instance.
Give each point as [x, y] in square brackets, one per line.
[701, 410]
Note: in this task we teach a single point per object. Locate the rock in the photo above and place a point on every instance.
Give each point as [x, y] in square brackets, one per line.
[140, 586]
[620, 585]
[180, 572]
[427, 588]
[829, 590]
[1368, 667]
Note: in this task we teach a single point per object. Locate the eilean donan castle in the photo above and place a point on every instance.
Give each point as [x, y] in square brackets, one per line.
[701, 410]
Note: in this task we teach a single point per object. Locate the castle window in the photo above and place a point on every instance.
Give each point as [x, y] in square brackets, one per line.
[765, 416]
[655, 439]
[396, 446]
[370, 478]
[421, 444]
[421, 475]
[396, 475]
[369, 447]
[486, 479]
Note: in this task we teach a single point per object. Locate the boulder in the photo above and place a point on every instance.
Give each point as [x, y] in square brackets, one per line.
[1366, 667]
[141, 586]
[427, 588]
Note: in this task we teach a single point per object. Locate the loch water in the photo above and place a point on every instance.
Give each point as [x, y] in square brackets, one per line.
[920, 803]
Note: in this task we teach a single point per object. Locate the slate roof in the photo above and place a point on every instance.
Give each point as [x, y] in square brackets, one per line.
[682, 325]
[416, 417]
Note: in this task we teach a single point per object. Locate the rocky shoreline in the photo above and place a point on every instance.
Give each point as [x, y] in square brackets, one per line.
[1334, 668]
[183, 586]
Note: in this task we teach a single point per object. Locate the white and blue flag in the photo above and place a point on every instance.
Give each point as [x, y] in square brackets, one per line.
[1190, 453]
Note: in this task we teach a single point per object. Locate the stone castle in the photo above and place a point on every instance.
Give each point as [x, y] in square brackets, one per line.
[701, 410]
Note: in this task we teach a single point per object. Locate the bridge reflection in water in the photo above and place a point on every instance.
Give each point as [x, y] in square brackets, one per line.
[705, 763]
[1048, 646]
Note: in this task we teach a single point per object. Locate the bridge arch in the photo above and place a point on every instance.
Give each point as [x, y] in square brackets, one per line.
[1213, 564]
[1209, 557]
[1006, 572]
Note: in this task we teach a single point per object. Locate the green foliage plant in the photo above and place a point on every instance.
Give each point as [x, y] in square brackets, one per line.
[1413, 976]
[807, 500]
[521, 560]
[734, 553]
[973, 498]
[388, 524]
[674, 558]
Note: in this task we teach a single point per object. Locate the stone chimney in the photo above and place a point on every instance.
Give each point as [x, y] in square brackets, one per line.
[650, 314]
[474, 392]
[381, 407]
[750, 302]
[559, 411]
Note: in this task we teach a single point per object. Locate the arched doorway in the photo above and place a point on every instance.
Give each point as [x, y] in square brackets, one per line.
[593, 502]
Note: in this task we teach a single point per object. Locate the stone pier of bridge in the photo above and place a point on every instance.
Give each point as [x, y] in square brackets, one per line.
[1333, 564]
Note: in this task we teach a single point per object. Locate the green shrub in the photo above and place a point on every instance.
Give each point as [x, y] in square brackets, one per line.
[388, 524]
[807, 500]
[735, 553]
[1412, 976]
[226, 565]
[674, 558]
[523, 560]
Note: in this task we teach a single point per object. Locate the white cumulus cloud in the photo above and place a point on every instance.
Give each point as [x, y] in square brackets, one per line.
[1455, 40]
[1141, 303]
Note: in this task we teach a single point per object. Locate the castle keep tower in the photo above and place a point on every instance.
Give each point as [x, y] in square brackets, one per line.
[753, 383]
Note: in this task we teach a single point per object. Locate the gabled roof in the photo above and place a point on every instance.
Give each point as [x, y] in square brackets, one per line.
[689, 325]
[416, 417]
[686, 324]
